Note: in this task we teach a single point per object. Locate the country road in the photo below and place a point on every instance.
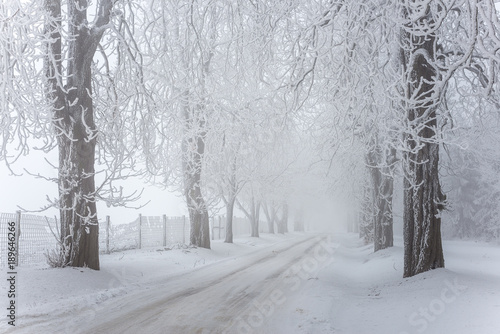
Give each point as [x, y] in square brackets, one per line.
[237, 295]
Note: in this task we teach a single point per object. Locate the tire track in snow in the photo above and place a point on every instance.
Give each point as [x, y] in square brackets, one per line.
[222, 285]
[214, 304]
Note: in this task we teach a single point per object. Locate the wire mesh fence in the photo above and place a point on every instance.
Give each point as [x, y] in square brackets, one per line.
[241, 226]
[35, 237]
[144, 231]
[40, 234]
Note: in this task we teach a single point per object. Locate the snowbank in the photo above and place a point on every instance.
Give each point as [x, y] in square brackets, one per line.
[364, 292]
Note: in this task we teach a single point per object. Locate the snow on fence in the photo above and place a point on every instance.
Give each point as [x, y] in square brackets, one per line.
[38, 234]
[34, 235]
[145, 231]
[241, 226]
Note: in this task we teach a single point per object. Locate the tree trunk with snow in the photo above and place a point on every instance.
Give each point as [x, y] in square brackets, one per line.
[381, 166]
[423, 198]
[383, 225]
[232, 193]
[270, 212]
[253, 216]
[193, 148]
[73, 121]
[229, 219]
[365, 218]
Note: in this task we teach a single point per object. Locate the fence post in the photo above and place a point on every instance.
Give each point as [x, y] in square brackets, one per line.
[140, 230]
[107, 234]
[164, 230]
[184, 229]
[18, 234]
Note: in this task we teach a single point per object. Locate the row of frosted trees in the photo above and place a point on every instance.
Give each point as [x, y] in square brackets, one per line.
[182, 94]
[401, 82]
[221, 98]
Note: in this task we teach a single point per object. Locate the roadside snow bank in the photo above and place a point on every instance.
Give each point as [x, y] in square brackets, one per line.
[364, 292]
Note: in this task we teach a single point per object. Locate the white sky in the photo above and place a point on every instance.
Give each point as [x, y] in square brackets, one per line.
[30, 193]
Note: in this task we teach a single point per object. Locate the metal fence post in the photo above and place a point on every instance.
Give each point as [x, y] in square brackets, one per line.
[164, 230]
[107, 234]
[184, 229]
[140, 230]
[18, 234]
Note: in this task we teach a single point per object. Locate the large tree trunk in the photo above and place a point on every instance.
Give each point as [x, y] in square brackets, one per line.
[423, 198]
[196, 66]
[422, 223]
[75, 127]
[193, 150]
[382, 192]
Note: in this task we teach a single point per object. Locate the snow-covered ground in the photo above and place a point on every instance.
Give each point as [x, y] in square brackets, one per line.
[364, 292]
[298, 283]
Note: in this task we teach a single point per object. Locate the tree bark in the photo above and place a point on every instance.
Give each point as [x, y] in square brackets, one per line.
[193, 150]
[229, 220]
[270, 216]
[366, 215]
[423, 198]
[232, 193]
[73, 119]
[383, 187]
[383, 224]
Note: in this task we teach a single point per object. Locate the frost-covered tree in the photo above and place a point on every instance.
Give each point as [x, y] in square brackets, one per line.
[390, 89]
[201, 62]
[440, 41]
[232, 160]
[423, 199]
[368, 71]
[68, 66]
[60, 90]
[244, 119]
[351, 104]
[179, 42]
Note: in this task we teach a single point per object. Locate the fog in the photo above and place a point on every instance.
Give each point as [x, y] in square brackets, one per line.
[321, 211]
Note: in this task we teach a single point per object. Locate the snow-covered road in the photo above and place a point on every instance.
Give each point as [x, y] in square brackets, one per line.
[212, 299]
[235, 295]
